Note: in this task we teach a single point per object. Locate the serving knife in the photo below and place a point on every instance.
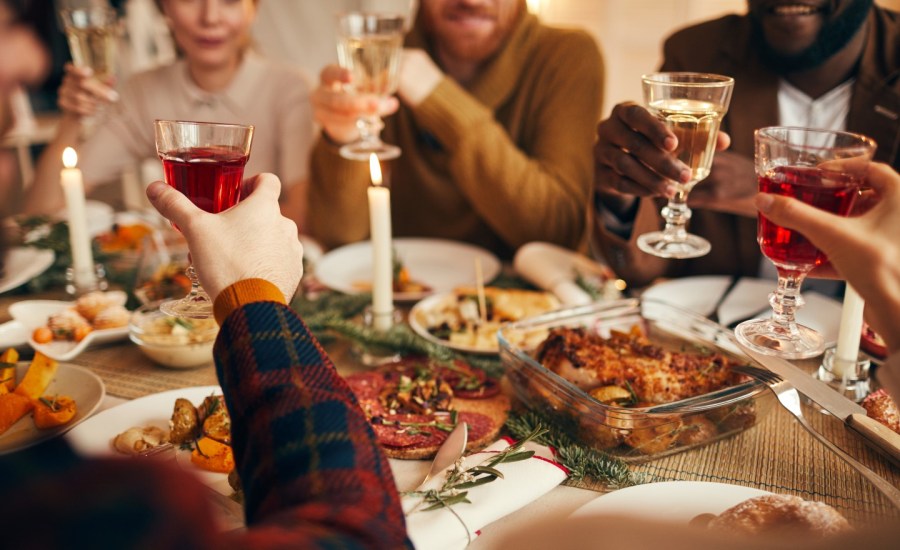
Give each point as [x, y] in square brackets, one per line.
[882, 438]
[449, 452]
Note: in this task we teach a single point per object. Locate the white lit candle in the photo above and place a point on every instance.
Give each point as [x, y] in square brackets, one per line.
[382, 261]
[847, 352]
[73, 188]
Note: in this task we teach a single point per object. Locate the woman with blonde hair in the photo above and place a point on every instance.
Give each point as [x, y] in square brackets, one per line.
[218, 78]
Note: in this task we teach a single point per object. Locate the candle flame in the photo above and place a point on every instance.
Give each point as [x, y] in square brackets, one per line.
[375, 169]
[70, 158]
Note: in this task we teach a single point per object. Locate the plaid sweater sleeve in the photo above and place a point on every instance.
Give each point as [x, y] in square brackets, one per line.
[312, 471]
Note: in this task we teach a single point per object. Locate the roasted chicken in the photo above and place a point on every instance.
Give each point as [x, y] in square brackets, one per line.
[628, 360]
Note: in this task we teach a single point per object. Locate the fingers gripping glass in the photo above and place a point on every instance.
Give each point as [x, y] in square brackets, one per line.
[369, 46]
[692, 106]
[205, 162]
[824, 169]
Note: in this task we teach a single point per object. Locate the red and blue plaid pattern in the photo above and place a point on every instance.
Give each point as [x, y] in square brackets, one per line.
[313, 474]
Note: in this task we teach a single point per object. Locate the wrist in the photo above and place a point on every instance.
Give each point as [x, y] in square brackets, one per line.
[244, 292]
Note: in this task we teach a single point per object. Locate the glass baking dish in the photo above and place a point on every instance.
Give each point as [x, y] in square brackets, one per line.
[634, 434]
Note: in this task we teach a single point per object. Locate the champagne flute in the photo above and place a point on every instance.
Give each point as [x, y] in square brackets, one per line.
[92, 34]
[822, 168]
[369, 46]
[205, 161]
[692, 106]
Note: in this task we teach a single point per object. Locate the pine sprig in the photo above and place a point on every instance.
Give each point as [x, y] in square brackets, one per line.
[582, 462]
[333, 313]
[45, 234]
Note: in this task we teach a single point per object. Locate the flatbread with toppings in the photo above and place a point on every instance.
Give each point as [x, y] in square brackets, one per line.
[414, 404]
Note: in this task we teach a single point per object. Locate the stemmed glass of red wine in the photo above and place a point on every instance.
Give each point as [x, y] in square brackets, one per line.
[822, 168]
[205, 161]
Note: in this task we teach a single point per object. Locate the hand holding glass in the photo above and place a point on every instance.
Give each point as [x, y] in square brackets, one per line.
[692, 106]
[824, 169]
[369, 46]
[205, 162]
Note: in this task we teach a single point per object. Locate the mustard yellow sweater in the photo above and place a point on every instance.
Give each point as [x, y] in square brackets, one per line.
[501, 162]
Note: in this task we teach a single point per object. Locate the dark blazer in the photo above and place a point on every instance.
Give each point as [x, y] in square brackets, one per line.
[725, 46]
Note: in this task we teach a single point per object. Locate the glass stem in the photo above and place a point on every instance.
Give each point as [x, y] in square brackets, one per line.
[676, 213]
[369, 127]
[786, 299]
[195, 282]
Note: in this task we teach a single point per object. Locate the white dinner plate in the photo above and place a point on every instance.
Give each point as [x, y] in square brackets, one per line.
[33, 314]
[669, 501]
[441, 265]
[22, 265]
[749, 297]
[94, 438]
[80, 384]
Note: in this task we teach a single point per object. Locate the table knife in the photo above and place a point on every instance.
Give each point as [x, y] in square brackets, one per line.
[851, 414]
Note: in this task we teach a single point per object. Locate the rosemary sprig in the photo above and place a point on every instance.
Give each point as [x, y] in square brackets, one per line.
[454, 490]
[53, 405]
[582, 462]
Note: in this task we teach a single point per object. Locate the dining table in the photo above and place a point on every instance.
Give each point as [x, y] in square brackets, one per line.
[776, 455]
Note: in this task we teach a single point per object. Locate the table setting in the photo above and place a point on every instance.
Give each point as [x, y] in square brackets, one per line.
[128, 376]
[745, 463]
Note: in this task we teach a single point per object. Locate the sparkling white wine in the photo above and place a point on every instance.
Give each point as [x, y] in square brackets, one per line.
[695, 124]
[374, 62]
[94, 47]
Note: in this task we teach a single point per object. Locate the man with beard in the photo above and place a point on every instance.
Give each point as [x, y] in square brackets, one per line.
[493, 113]
[832, 64]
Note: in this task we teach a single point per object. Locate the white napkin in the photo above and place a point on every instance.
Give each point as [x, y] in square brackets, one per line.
[522, 483]
[554, 269]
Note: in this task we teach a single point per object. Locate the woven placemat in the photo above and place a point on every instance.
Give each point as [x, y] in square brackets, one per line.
[127, 373]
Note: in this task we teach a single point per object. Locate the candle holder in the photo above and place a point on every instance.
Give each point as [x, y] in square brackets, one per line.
[79, 284]
[374, 355]
[853, 383]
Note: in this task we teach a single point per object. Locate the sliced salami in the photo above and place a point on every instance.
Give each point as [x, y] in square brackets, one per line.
[407, 430]
[480, 425]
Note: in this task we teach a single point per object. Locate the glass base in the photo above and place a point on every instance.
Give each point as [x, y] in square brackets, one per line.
[851, 381]
[371, 355]
[78, 284]
[363, 150]
[769, 338]
[659, 244]
[193, 306]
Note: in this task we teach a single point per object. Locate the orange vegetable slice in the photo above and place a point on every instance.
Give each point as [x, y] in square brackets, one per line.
[53, 412]
[211, 455]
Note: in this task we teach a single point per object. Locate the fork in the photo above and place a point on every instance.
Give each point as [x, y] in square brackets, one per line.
[790, 399]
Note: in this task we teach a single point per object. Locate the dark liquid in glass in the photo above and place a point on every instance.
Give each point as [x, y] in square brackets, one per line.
[834, 192]
[209, 176]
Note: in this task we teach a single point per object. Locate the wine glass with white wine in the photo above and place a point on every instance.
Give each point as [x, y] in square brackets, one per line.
[692, 106]
[92, 33]
[369, 46]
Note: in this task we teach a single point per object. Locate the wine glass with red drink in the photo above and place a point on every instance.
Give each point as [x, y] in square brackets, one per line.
[824, 169]
[204, 161]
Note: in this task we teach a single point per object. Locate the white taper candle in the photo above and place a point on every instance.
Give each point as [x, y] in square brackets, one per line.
[382, 260]
[847, 352]
[70, 179]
